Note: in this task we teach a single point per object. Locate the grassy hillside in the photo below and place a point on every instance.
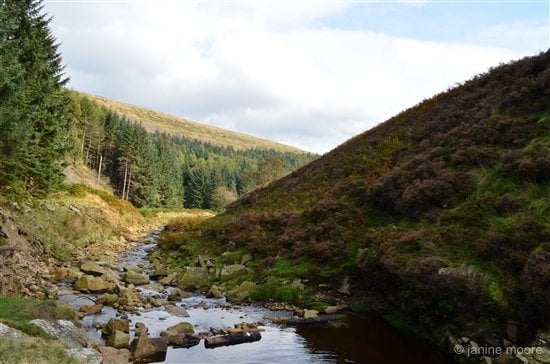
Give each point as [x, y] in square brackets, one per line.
[440, 216]
[154, 120]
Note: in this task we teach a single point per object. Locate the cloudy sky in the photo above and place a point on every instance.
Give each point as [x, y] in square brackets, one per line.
[306, 73]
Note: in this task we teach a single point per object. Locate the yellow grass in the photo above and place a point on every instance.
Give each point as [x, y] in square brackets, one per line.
[154, 120]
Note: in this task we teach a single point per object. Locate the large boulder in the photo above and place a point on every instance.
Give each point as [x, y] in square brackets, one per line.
[114, 356]
[118, 340]
[182, 328]
[242, 292]
[135, 278]
[177, 311]
[88, 283]
[72, 336]
[93, 268]
[133, 268]
[193, 278]
[142, 347]
[115, 324]
[232, 271]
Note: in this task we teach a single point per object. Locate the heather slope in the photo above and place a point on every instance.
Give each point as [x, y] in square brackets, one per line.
[440, 216]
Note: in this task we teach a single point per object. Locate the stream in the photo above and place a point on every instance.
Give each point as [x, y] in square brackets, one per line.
[353, 340]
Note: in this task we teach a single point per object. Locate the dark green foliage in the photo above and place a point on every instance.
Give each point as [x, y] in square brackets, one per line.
[33, 118]
[159, 170]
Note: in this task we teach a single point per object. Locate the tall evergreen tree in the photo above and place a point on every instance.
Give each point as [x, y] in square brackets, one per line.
[33, 103]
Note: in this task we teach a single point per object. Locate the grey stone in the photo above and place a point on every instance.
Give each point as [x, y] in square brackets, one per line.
[232, 271]
[182, 327]
[242, 292]
[72, 336]
[89, 283]
[93, 268]
[11, 333]
[86, 355]
[177, 311]
[135, 278]
[193, 278]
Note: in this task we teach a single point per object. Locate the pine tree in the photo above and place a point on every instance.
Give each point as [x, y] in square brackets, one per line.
[33, 103]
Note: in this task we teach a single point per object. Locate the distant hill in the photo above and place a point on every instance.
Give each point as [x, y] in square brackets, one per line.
[153, 120]
[440, 216]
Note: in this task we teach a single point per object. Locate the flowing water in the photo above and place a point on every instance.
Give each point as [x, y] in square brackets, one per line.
[353, 340]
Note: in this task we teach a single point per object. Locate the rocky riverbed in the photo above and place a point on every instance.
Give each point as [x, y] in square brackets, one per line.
[134, 309]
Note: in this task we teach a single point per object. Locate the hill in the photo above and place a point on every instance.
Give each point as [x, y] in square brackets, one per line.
[165, 169]
[438, 218]
[154, 121]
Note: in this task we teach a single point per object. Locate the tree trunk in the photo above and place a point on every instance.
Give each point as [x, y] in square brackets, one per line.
[99, 169]
[232, 339]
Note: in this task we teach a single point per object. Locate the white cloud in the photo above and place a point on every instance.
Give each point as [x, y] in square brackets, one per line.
[269, 69]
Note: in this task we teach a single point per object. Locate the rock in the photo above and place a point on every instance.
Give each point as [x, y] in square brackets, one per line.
[90, 309]
[215, 292]
[168, 281]
[132, 268]
[157, 302]
[86, 355]
[182, 328]
[158, 273]
[89, 283]
[7, 332]
[72, 336]
[135, 278]
[232, 271]
[542, 355]
[93, 268]
[118, 340]
[115, 324]
[242, 292]
[345, 287]
[108, 299]
[114, 356]
[142, 347]
[309, 314]
[280, 320]
[193, 278]
[176, 294]
[177, 311]
[128, 297]
[232, 339]
[141, 330]
[333, 309]
[174, 338]
[247, 258]
[155, 287]
[60, 274]
[73, 274]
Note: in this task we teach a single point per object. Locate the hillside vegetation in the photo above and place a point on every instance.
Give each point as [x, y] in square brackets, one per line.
[440, 216]
[167, 170]
[154, 121]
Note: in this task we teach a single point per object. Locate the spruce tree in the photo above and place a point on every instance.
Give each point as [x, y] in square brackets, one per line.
[33, 103]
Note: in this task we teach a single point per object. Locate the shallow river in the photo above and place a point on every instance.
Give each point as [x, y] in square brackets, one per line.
[354, 340]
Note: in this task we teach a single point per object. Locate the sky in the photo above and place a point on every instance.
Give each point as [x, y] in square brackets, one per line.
[311, 74]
